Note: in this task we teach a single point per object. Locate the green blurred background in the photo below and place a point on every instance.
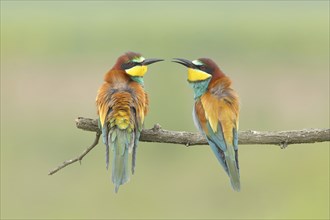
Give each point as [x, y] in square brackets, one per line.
[53, 58]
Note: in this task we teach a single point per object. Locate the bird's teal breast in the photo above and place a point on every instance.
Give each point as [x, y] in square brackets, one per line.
[199, 87]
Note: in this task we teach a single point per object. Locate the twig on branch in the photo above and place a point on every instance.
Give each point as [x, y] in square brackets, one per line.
[80, 157]
[157, 134]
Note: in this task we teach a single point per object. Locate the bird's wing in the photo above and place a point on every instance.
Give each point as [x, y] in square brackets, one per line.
[141, 104]
[215, 139]
[220, 124]
[103, 100]
[221, 114]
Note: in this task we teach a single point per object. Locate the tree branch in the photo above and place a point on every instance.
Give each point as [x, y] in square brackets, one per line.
[157, 134]
[281, 138]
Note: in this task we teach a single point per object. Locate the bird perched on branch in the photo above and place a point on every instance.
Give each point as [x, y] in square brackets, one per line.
[216, 112]
[122, 106]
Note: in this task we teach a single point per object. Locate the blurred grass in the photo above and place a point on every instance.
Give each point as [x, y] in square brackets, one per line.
[54, 55]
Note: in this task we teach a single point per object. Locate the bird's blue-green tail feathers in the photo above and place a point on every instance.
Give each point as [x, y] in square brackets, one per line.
[232, 162]
[233, 170]
[226, 154]
[121, 143]
[228, 162]
[136, 141]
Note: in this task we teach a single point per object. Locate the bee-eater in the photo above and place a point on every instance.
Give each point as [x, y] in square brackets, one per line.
[216, 112]
[122, 105]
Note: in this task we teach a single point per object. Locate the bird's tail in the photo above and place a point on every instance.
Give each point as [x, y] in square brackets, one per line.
[233, 170]
[120, 141]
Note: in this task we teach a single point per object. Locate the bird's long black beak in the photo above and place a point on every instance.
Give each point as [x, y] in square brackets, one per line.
[150, 61]
[184, 62]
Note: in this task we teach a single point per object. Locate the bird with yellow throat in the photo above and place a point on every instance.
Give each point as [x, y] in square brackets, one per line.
[216, 112]
[122, 105]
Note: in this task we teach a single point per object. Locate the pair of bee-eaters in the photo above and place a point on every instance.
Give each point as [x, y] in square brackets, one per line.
[123, 104]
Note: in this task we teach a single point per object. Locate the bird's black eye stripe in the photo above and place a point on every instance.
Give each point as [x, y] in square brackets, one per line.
[128, 65]
[205, 69]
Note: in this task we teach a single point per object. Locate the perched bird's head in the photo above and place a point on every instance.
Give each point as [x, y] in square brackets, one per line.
[200, 74]
[200, 69]
[134, 64]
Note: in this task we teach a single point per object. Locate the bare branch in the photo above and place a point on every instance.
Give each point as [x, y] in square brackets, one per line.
[157, 134]
[281, 138]
[79, 158]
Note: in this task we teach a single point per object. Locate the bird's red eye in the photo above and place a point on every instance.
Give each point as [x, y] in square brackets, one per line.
[203, 68]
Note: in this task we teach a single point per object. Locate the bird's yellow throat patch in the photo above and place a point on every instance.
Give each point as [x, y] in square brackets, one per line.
[197, 75]
[137, 70]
